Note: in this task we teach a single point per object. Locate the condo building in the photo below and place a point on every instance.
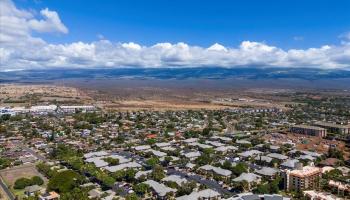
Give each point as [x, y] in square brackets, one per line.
[302, 178]
[309, 130]
[334, 128]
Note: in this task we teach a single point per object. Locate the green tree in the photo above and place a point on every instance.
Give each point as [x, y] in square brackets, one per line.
[64, 181]
[111, 161]
[21, 183]
[4, 163]
[132, 196]
[37, 180]
[239, 169]
[152, 161]
[130, 175]
[158, 173]
[263, 189]
[186, 188]
[141, 189]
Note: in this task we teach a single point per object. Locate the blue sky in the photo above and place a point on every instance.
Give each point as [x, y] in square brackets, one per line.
[174, 33]
[283, 23]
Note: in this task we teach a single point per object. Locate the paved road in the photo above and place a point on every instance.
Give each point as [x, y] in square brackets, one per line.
[210, 183]
[7, 190]
[38, 156]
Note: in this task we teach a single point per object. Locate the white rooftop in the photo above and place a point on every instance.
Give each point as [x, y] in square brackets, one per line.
[218, 170]
[203, 194]
[175, 178]
[159, 188]
[249, 177]
[122, 166]
[142, 147]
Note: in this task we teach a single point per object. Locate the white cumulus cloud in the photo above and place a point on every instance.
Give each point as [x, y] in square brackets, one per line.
[50, 23]
[19, 49]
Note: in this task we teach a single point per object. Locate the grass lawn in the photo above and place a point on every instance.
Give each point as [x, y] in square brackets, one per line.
[19, 193]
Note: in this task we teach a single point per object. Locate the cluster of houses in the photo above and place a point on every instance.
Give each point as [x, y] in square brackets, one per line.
[223, 164]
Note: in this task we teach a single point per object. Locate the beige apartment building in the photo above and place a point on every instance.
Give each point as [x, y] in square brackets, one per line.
[302, 178]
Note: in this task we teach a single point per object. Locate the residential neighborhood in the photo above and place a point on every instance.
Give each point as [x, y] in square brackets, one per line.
[83, 152]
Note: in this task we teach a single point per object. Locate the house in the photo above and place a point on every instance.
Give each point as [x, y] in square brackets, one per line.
[190, 166]
[251, 196]
[190, 140]
[95, 193]
[312, 194]
[151, 136]
[208, 194]
[344, 170]
[32, 190]
[157, 153]
[250, 153]
[95, 154]
[263, 159]
[277, 156]
[122, 166]
[163, 144]
[289, 164]
[225, 149]
[192, 155]
[249, 177]
[160, 189]
[142, 173]
[175, 178]
[142, 147]
[203, 146]
[214, 143]
[49, 196]
[267, 172]
[216, 170]
[243, 142]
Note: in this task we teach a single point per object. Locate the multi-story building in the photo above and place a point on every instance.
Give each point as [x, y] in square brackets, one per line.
[334, 128]
[302, 178]
[309, 130]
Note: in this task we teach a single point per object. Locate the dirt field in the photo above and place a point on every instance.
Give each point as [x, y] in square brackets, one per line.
[159, 105]
[25, 95]
[124, 96]
[26, 171]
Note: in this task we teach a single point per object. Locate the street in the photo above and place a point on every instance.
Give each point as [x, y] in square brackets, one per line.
[38, 156]
[7, 190]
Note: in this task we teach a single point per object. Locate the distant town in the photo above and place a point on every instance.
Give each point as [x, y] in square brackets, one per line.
[83, 151]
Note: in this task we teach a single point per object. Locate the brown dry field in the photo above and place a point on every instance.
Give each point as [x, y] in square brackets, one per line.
[308, 143]
[126, 97]
[14, 173]
[160, 105]
[24, 95]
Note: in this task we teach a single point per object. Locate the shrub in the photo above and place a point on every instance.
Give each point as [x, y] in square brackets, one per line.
[37, 180]
[21, 183]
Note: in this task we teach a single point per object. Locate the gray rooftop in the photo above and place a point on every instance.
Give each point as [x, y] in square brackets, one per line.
[249, 177]
[267, 171]
[159, 188]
